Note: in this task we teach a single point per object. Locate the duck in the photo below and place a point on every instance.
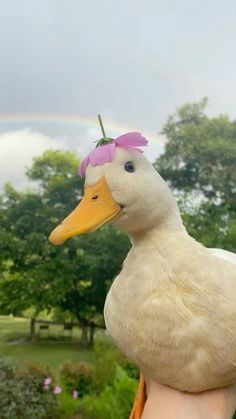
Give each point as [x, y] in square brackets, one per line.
[172, 308]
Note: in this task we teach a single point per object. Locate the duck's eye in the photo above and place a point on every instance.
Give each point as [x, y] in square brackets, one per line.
[129, 166]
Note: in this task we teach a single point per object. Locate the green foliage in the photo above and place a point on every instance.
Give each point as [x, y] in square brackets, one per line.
[26, 219]
[110, 378]
[73, 278]
[131, 369]
[199, 162]
[7, 369]
[68, 407]
[76, 376]
[22, 395]
[106, 354]
[215, 226]
[200, 153]
[108, 391]
[115, 400]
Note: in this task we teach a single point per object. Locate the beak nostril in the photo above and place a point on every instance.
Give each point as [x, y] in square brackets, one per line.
[94, 197]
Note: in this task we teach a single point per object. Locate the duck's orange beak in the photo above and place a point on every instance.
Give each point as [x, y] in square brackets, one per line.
[95, 209]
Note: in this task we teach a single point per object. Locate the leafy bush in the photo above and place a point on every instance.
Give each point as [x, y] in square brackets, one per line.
[107, 357]
[22, 396]
[76, 376]
[68, 406]
[130, 368]
[115, 401]
[7, 369]
[111, 388]
[34, 374]
[106, 353]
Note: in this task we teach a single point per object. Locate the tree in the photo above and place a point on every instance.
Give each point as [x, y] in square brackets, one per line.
[199, 162]
[26, 219]
[74, 277]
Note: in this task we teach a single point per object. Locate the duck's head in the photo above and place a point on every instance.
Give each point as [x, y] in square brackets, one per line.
[121, 187]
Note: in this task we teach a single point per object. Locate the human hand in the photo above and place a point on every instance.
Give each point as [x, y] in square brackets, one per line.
[167, 403]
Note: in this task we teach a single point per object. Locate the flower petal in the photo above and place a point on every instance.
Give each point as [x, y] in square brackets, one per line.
[106, 153]
[83, 165]
[102, 154]
[57, 389]
[47, 381]
[134, 139]
[75, 394]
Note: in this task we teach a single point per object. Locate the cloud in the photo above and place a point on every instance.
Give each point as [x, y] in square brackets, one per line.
[17, 148]
[130, 60]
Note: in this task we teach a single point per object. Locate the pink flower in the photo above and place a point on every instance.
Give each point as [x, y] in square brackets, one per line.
[105, 153]
[47, 382]
[99, 155]
[75, 394]
[45, 387]
[131, 140]
[57, 389]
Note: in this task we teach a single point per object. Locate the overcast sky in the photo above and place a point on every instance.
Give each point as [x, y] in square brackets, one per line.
[133, 61]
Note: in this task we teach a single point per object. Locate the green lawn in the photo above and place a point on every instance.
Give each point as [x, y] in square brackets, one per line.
[50, 348]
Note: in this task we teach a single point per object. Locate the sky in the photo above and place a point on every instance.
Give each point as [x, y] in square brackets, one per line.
[63, 62]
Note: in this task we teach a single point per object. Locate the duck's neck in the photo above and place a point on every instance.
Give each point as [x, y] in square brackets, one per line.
[171, 222]
[164, 236]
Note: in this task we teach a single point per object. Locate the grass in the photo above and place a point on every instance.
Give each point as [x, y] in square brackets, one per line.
[51, 348]
[11, 328]
[14, 328]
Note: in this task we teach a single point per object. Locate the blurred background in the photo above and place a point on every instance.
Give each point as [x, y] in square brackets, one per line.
[166, 69]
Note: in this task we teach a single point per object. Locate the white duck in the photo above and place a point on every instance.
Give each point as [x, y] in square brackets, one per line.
[172, 308]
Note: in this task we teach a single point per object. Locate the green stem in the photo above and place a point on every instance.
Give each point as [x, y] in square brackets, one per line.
[101, 125]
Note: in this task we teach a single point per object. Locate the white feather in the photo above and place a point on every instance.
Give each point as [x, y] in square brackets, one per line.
[224, 254]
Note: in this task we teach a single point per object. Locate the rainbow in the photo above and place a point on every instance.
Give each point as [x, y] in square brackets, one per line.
[70, 119]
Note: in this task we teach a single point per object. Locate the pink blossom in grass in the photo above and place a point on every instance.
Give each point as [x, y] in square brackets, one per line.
[75, 394]
[106, 152]
[47, 381]
[57, 389]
